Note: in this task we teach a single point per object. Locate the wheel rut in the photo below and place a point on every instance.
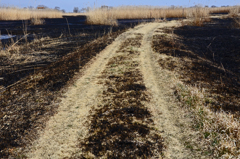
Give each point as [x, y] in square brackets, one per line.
[166, 112]
[119, 108]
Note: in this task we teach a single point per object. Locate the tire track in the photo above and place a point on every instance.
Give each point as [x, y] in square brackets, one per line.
[60, 137]
[166, 112]
[119, 108]
[122, 126]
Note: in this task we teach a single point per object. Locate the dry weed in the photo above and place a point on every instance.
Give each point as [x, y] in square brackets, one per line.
[37, 21]
[198, 16]
[101, 17]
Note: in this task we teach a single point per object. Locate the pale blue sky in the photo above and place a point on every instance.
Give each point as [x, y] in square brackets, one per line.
[68, 5]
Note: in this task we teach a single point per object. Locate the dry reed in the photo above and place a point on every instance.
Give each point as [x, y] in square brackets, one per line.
[220, 10]
[27, 14]
[110, 16]
[234, 11]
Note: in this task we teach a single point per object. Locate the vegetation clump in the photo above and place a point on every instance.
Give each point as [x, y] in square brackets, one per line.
[35, 21]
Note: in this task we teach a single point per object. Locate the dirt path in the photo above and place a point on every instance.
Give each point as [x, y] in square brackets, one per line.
[62, 131]
[61, 137]
[169, 118]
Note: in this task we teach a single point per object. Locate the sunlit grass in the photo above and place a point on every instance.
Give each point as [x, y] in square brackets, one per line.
[110, 16]
[27, 14]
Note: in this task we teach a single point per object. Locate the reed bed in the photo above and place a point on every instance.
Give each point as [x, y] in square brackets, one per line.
[220, 10]
[105, 16]
[234, 11]
[226, 10]
[27, 14]
[110, 16]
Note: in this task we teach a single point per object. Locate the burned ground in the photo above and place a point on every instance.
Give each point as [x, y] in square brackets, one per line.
[208, 58]
[26, 105]
[26, 58]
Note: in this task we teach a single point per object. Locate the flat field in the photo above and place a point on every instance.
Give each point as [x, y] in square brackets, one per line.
[142, 89]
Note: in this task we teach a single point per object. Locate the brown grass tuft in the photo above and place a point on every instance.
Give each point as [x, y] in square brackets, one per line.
[37, 21]
[101, 17]
[199, 16]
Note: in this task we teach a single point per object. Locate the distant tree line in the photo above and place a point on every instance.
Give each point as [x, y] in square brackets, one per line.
[45, 7]
[77, 10]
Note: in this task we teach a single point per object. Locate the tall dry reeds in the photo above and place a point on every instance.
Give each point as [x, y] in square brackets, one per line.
[220, 10]
[198, 16]
[27, 14]
[234, 11]
[110, 16]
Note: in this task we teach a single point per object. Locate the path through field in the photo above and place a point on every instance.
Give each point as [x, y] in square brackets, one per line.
[121, 107]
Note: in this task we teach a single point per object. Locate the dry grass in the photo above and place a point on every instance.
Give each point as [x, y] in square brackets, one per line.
[27, 14]
[234, 11]
[220, 129]
[198, 14]
[13, 52]
[221, 10]
[37, 21]
[74, 14]
[110, 16]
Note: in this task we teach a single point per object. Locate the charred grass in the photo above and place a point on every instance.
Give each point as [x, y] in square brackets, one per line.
[26, 105]
[24, 56]
[207, 59]
[121, 127]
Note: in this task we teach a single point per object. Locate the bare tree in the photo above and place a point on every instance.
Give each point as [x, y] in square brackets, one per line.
[57, 8]
[75, 10]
